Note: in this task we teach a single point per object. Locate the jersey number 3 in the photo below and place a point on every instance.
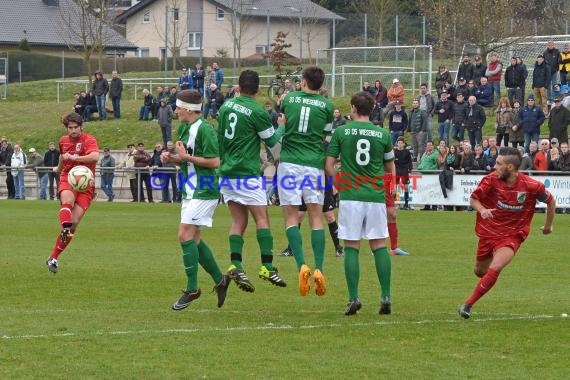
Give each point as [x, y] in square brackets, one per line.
[231, 130]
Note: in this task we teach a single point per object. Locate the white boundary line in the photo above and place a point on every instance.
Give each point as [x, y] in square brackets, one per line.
[271, 326]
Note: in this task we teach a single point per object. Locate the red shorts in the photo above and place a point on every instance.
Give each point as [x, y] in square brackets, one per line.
[83, 199]
[488, 246]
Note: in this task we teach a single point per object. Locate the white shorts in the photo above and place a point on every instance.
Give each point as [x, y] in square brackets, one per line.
[297, 183]
[247, 192]
[362, 220]
[198, 212]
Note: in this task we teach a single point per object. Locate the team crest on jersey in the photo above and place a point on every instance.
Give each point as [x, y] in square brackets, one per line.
[521, 196]
[77, 147]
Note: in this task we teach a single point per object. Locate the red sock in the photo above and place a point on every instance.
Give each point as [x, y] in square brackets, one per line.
[483, 286]
[59, 247]
[65, 213]
[393, 231]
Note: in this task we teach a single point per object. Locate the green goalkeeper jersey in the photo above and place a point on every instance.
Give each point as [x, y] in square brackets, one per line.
[363, 149]
[197, 182]
[309, 120]
[242, 125]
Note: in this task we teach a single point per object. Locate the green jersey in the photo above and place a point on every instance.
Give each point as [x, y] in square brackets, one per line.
[363, 149]
[309, 120]
[201, 141]
[242, 125]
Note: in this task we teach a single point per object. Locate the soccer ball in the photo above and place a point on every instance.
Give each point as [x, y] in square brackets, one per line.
[80, 178]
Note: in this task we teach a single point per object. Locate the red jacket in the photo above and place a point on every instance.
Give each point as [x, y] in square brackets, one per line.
[492, 66]
[541, 161]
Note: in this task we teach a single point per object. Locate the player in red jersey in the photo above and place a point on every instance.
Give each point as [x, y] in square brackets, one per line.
[77, 148]
[505, 201]
[391, 214]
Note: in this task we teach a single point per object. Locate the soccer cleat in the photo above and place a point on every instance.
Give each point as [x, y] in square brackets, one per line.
[65, 232]
[241, 279]
[339, 252]
[185, 299]
[465, 311]
[304, 275]
[385, 305]
[286, 252]
[221, 288]
[399, 252]
[271, 276]
[52, 265]
[320, 284]
[352, 307]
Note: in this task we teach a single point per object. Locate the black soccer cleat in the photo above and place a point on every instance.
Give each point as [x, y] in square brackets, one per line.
[286, 252]
[385, 305]
[241, 279]
[352, 307]
[221, 289]
[185, 299]
[52, 265]
[65, 233]
[465, 311]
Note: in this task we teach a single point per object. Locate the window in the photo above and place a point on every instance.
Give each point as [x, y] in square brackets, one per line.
[143, 52]
[194, 40]
[260, 49]
[146, 17]
[175, 13]
[220, 14]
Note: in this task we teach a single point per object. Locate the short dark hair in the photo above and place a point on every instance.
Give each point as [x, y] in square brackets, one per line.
[315, 77]
[511, 156]
[72, 117]
[363, 102]
[189, 96]
[249, 82]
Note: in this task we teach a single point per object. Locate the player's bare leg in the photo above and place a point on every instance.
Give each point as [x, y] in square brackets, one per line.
[489, 273]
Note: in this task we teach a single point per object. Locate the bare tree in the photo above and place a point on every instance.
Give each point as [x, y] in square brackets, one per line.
[176, 35]
[312, 26]
[440, 13]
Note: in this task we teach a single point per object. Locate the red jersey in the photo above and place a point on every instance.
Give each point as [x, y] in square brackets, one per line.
[81, 146]
[514, 205]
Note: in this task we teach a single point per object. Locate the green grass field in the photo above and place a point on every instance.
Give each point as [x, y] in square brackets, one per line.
[106, 314]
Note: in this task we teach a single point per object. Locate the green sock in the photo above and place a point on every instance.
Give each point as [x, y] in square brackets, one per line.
[383, 269]
[318, 244]
[265, 241]
[208, 262]
[236, 248]
[190, 257]
[296, 244]
[351, 271]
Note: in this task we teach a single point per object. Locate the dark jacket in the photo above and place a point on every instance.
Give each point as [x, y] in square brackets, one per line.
[484, 95]
[100, 87]
[474, 117]
[381, 96]
[552, 57]
[398, 121]
[530, 119]
[447, 108]
[465, 71]
[514, 77]
[565, 162]
[417, 121]
[148, 100]
[198, 78]
[478, 72]
[51, 158]
[216, 97]
[116, 87]
[459, 112]
[403, 162]
[440, 79]
[558, 122]
[468, 162]
[541, 75]
[481, 161]
[165, 115]
[155, 159]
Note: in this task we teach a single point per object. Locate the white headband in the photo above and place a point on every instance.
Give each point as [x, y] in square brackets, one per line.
[188, 106]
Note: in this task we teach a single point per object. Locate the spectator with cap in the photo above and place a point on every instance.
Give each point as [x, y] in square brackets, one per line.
[558, 121]
[458, 131]
[461, 87]
[479, 70]
[441, 77]
[36, 162]
[185, 80]
[395, 92]
[107, 165]
[51, 160]
[465, 70]
[529, 120]
[6, 152]
[540, 82]
[514, 81]
[397, 122]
